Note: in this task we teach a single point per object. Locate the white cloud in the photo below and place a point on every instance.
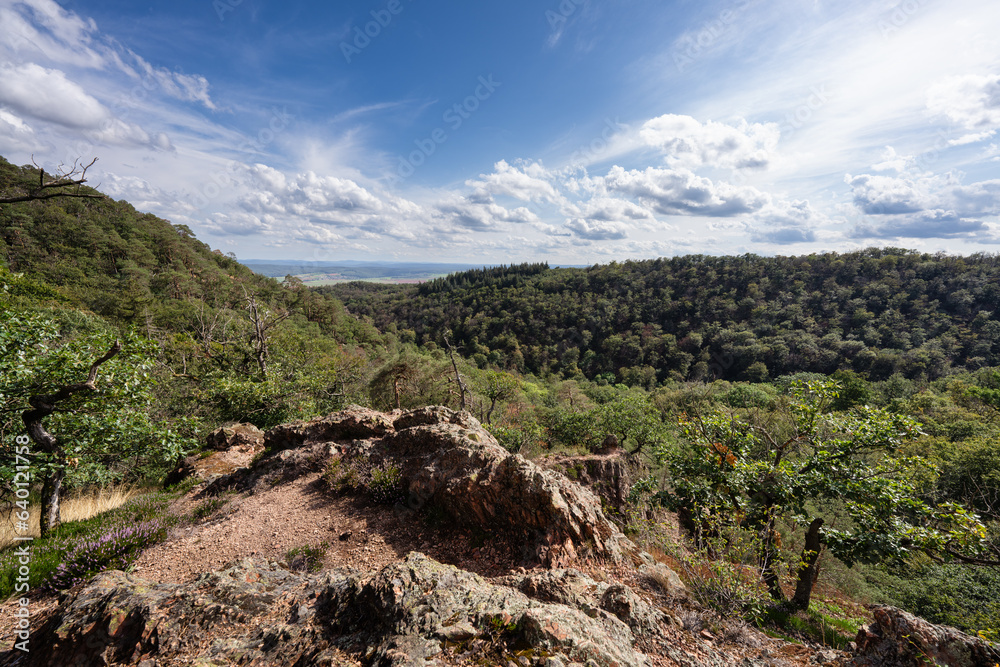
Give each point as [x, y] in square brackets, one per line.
[48, 95]
[527, 182]
[931, 224]
[971, 101]
[681, 192]
[686, 142]
[238, 224]
[598, 230]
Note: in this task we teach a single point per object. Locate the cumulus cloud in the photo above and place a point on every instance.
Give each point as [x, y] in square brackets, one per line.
[785, 222]
[527, 182]
[971, 102]
[887, 195]
[238, 224]
[923, 206]
[681, 192]
[479, 215]
[598, 230]
[48, 95]
[689, 143]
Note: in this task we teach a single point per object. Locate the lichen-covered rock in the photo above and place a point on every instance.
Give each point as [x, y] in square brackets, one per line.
[573, 588]
[246, 436]
[610, 474]
[235, 447]
[902, 639]
[415, 612]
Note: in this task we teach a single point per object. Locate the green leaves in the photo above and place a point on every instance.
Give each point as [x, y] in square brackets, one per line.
[844, 465]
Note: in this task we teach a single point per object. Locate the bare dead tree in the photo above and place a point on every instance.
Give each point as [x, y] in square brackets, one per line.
[41, 407]
[64, 183]
[263, 323]
[458, 376]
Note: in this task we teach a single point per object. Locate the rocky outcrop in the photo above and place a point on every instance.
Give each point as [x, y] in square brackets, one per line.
[243, 436]
[415, 612]
[901, 639]
[446, 459]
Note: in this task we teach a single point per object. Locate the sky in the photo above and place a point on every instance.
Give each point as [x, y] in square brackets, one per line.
[567, 131]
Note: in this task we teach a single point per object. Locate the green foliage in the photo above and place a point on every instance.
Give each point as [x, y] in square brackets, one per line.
[105, 436]
[876, 312]
[950, 594]
[816, 466]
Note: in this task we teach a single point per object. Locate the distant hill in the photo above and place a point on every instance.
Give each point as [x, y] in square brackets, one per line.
[327, 273]
[876, 312]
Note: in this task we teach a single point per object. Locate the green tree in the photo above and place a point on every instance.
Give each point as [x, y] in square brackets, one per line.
[802, 471]
[498, 386]
[84, 401]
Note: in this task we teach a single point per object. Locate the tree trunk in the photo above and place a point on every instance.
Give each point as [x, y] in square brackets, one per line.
[809, 567]
[51, 495]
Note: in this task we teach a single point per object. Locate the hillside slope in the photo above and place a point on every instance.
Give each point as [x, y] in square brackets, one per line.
[876, 311]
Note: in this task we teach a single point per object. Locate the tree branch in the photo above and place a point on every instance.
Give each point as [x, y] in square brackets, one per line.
[50, 189]
[44, 405]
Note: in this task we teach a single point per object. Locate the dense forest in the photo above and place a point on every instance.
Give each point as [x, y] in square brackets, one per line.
[838, 397]
[877, 312]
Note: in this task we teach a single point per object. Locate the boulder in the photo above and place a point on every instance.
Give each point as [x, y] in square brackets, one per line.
[899, 638]
[233, 447]
[610, 474]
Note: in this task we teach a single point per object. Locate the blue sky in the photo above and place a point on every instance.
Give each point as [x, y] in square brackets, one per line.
[570, 131]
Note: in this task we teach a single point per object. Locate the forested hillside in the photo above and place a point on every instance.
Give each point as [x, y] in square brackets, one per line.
[876, 311]
[206, 340]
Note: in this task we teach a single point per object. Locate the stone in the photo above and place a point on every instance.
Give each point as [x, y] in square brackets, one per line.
[257, 613]
[899, 638]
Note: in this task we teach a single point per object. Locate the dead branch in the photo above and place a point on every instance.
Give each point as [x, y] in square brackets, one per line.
[51, 186]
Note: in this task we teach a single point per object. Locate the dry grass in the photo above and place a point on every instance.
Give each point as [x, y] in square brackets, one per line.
[75, 507]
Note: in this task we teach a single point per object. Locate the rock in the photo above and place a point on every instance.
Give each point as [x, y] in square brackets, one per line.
[609, 474]
[900, 638]
[448, 460]
[256, 613]
[352, 423]
[246, 436]
[234, 446]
